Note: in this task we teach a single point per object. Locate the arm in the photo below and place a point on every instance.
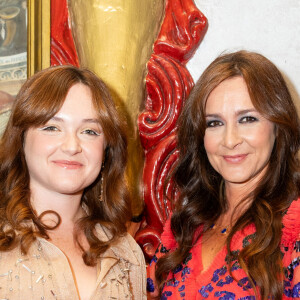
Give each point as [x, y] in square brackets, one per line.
[292, 271]
[152, 291]
[138, 275]
[290, 247]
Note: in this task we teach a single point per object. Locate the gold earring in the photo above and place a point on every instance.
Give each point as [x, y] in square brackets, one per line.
[101, 197]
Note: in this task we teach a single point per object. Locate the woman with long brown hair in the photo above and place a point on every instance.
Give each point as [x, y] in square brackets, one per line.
[63, 199]
[235, 232]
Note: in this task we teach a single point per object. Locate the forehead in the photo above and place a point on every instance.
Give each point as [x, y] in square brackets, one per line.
[78, 102]
[230, 95]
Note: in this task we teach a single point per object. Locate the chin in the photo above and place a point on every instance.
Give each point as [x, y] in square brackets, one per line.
[69, 189]
[236, 179]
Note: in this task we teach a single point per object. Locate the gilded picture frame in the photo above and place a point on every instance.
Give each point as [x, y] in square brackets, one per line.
[38, 47]
[24, 47]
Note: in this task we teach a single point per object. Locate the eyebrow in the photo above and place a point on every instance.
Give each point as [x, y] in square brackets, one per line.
[238, 113]
[58, 119]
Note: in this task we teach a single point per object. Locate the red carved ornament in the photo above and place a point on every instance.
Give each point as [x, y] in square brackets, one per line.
[168, 84]
[62, 44]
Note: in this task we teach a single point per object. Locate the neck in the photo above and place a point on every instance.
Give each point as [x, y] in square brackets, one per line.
[68, 207]
[234, 194]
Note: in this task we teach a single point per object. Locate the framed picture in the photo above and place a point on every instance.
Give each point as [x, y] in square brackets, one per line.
[24, 41]
[13, 45]
[24, 47]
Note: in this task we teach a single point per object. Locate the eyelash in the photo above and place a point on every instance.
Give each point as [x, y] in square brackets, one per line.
[91, 132]
[213, 123]
[249, 119]
[86, 131]
[50, 128]
[216, 123]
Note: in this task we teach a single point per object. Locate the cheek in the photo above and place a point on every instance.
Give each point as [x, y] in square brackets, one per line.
[210, 143]
[29, 147]
[39, 147]
[94, 155]
[95, 152]
[211, 148]
[262, 139]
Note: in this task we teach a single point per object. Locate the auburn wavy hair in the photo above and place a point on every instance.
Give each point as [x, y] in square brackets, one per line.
[201, 201]
[39, 99]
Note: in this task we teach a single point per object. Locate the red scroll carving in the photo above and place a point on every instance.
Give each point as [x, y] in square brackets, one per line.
[62, 44]
[168, 84]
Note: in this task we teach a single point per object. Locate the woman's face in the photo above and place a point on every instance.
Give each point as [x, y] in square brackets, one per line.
[238, 139]
[65, 154]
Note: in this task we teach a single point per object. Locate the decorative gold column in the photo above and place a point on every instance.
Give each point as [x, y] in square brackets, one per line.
[38, 48]
[114, 38]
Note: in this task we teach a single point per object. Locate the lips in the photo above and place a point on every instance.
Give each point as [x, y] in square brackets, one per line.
[67, 164]
[235, 159]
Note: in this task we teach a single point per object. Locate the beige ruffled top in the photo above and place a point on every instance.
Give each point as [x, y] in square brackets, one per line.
[45, 274]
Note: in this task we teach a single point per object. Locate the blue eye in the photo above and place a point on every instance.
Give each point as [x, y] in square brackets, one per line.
[213, 123]
[91, 132]
[248, 119]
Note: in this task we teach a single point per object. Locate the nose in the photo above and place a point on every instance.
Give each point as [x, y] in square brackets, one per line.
[71, 144]
[232, 136]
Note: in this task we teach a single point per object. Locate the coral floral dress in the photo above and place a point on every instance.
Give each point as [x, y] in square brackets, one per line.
[189, 282]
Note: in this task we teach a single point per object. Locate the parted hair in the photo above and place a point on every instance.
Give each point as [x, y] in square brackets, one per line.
[38, 100]
[201, 202]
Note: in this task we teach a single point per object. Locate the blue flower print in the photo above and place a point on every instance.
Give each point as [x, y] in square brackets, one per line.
[150, 285]
[203, 291]
[225, 295]
[228, 280]
[165, 295]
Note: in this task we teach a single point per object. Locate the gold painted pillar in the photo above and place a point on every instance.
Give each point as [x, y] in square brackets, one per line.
[114, 38]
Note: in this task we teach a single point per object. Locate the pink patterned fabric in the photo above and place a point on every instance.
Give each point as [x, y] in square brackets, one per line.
[188, 281]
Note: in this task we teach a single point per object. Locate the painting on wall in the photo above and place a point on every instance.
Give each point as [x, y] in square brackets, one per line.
[21, 52]
[13, 45]
[13, 53]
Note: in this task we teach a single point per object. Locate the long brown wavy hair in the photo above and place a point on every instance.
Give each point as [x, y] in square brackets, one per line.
[39, 99]
[201, 201]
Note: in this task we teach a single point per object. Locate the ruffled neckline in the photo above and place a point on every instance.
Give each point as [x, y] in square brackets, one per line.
[290, 231]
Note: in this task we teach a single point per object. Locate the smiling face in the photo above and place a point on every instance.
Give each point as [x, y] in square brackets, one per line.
[65, 154]
[238, 139]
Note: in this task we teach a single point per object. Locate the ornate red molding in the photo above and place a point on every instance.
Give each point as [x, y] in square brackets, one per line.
[168, 84]
[62, 44]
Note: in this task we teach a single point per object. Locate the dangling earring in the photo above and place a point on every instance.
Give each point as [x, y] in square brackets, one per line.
[101, 197]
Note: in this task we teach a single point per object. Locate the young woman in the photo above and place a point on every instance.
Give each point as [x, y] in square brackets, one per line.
[63, 199]
[235, 232]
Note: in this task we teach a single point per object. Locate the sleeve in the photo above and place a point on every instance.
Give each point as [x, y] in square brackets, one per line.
[291, 252]
[167, 244]
[138, 276]
[151, 283]
[292, 271]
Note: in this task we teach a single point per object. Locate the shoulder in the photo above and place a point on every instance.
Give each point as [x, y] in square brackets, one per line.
[128, 249]
[167, 236]
[124, 247]
[291, 224]
[127, 239]
[168, 239]
[11, 256]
